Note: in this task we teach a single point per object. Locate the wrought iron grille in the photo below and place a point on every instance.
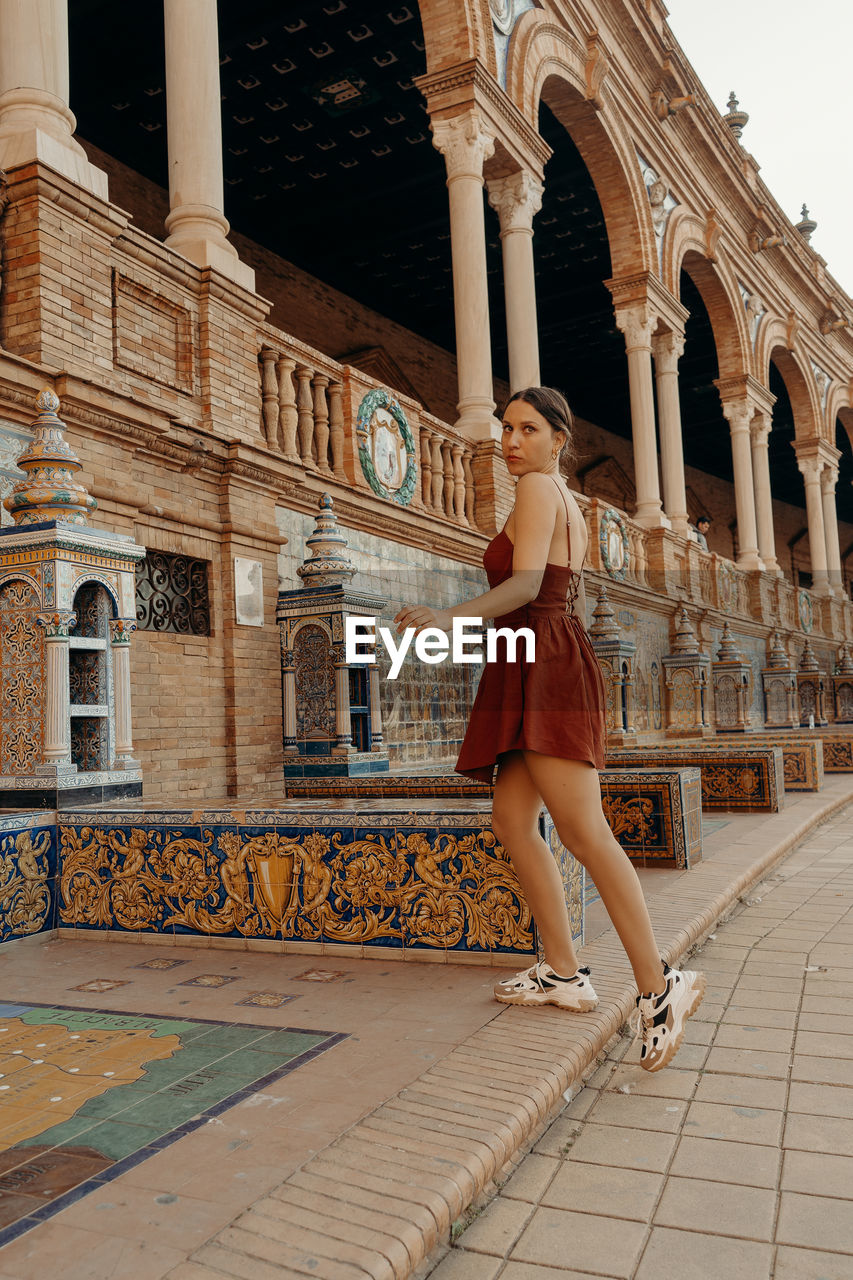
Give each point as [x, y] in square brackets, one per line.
[172, 594]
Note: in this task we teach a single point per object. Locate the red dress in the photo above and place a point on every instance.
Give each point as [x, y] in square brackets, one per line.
[554, 705]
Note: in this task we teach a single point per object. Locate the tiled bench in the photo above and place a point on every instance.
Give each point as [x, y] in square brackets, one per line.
[423, 881]
[746, 779]
[837, 748]
[655, 813]
[803, 756]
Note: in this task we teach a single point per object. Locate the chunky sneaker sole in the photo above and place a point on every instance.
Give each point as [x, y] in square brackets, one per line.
[541, 985]
[661, 1019]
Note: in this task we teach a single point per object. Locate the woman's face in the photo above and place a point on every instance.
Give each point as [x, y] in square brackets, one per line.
[528, 441]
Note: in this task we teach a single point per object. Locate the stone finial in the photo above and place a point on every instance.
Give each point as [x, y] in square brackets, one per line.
[604, 625]
[844, 661]
[736, 120]
[808, 659]
[328, 564]
[49, 490]
[685, 637]
[806, 226]
[777, 655]
[728, 650]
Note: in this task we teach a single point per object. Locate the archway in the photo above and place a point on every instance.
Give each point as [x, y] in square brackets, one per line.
[844, 492]
[581, 350]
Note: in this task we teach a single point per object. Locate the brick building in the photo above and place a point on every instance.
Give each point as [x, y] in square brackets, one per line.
[434, 202]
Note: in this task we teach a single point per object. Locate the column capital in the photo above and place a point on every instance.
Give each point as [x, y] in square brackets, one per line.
[829, 477]
[121, 630]
[517, 199]
[811, 467]
[760, 428]
[465, 143]
[637, 325]
[667, 349]
[57, 624]
[738, 414]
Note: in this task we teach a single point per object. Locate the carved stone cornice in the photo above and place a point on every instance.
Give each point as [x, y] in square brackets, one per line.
[747, 389]
[470, 85]
[646, 290]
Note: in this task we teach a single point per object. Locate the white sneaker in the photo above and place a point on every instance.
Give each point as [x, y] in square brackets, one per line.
[541, 985]
[660, 1018]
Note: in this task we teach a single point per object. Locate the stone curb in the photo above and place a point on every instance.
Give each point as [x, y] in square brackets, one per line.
[384, 1195]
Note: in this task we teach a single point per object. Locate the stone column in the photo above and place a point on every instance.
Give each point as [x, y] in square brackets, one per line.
[376, 735]
[56, 747]
[517, 200]
[197, 225]
[828, 481]
[288, 673]
[637, 326]
[811, 468]
[668, 349]
[465, 145]
[759, 438]
[35, 120]
[739, 415]
[121, 630]
[343, 723]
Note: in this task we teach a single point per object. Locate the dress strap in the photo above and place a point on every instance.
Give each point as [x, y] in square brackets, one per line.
[568, 522]
[575, 578]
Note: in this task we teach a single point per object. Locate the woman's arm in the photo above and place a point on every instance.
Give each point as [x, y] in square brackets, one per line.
[535, 513]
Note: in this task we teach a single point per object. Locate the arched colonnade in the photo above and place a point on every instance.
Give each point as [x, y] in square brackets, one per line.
[489, 138]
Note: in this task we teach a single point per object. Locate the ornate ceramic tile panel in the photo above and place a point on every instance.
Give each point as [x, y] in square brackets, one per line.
[738, 777]
[837, 751]
[802, 758]
[655, 814]
[27, 876]
[21, 678]
[433, 880]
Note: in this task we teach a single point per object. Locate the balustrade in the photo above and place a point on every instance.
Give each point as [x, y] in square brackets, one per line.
[309, 406]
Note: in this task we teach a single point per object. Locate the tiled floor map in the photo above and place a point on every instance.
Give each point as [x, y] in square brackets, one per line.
[86, 1094]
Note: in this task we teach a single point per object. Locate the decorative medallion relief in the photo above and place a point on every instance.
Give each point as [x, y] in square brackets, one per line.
[823, 381]
[505, 14]
[661, 202]
[613, 540]
[805, 611]
[755, 310]
[386, 447]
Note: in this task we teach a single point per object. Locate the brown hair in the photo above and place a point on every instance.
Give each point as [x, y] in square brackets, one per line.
[554, 408]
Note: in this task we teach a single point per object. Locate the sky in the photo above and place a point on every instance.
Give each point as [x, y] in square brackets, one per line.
[789, 65]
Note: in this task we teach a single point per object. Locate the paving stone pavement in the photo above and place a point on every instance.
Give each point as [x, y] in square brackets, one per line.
[736, 1161]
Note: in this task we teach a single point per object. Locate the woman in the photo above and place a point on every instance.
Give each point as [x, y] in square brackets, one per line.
[543, 724]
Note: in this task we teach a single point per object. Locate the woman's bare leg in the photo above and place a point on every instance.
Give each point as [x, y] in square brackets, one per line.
[572, 795]
[515, 822]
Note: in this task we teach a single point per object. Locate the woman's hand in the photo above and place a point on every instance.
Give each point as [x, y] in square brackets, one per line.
[420, 616]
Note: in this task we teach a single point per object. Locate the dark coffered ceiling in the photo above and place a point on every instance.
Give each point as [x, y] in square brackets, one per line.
[328, 161]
